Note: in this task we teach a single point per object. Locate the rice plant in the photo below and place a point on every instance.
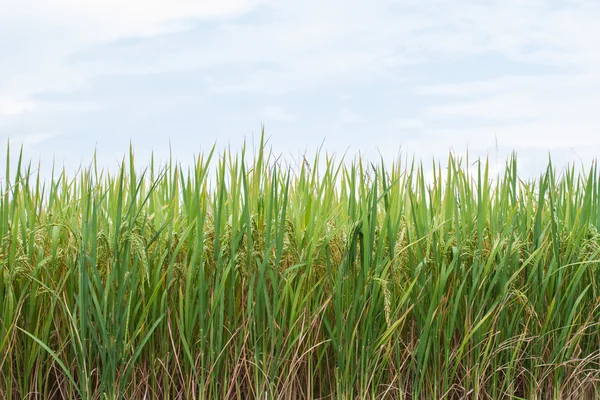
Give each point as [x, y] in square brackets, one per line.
[243, 278]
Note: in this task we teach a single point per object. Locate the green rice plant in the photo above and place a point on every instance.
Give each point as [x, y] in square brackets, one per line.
[241, 277]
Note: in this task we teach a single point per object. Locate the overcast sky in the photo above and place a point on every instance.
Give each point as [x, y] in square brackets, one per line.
[375, 76]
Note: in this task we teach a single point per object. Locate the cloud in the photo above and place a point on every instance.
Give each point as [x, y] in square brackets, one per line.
[542, 111]
[105, 20]
[278, 114]
[409, 124]
[426, 75]
[37, 138]
[349, 117]
[11, 106]
[42, 37]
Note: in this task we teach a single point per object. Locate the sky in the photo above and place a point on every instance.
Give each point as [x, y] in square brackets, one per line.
[377, 77]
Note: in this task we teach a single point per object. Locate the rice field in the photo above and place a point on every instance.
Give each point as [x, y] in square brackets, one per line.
[243, 278]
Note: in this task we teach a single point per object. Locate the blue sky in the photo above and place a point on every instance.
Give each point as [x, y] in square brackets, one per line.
[376, 77]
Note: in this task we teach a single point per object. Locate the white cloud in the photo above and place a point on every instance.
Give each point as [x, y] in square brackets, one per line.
[539, 112]
[104, 20]
[37, 138]
[11, 106]
[409, 124]
[349, 117]
[278, 114]
[309, 45]
[30, 139]
[42, 35]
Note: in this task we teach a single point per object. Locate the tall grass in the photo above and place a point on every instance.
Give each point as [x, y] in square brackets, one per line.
[242, 278]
